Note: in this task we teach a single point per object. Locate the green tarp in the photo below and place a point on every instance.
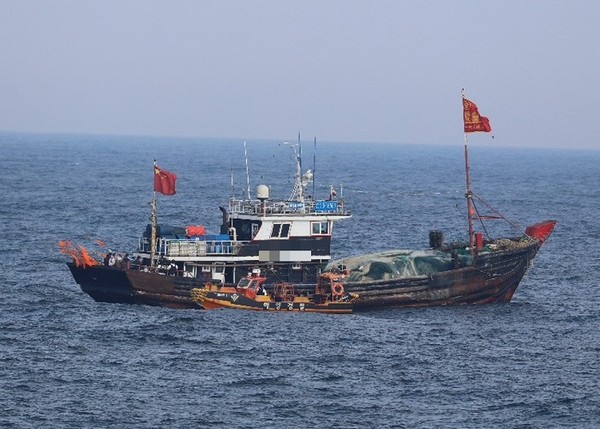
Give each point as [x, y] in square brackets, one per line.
[398, 264]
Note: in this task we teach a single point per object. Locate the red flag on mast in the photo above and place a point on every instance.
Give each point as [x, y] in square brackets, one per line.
[164, 181]
[473, 120]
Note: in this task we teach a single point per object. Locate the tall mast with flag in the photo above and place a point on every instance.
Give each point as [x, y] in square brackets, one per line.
[164, 182]
[473, 122]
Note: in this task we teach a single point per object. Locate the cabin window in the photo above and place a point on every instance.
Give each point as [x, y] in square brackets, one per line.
[276, 230]
[243, 283]
[280, 230]
[320, 228]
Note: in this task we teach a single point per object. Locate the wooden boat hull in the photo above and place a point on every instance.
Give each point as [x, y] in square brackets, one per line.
[108, 284]
[493, 279]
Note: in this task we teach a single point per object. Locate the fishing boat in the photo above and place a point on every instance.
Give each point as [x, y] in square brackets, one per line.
[481, 271]
[289, 239]
[252, 294]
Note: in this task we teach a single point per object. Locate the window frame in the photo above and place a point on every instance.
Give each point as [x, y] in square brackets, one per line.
[281, 230]
[321, 230]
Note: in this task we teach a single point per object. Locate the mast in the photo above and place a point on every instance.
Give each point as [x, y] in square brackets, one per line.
[299, 179]
[469, 192]
[154, 223]
[247, 171]
[469, 195]
[298, 191]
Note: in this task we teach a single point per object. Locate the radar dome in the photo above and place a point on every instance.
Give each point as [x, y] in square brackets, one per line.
[262, 192]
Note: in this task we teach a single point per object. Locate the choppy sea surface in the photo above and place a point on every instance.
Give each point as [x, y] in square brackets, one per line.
[69, 362]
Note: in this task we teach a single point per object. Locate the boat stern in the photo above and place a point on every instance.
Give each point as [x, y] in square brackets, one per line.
[103, 284]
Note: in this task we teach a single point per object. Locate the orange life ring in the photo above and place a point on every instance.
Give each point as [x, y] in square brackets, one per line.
[337, 289]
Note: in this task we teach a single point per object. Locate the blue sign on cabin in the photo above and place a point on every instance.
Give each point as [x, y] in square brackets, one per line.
[326, 206]
[294, 205]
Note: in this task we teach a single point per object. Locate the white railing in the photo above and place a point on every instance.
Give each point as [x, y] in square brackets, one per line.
[286, 207]
[192, 248]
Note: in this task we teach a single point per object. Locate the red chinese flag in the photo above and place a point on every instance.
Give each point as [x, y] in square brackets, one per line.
[164, 181]
[473, 121]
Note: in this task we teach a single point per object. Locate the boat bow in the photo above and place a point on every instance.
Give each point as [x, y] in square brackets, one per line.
[541, 231]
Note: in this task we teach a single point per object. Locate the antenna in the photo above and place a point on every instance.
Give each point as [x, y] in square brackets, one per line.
[247, 171]
[314, 164]
[300, 156]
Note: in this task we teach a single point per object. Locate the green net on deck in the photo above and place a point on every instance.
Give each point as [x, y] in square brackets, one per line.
[398, 264]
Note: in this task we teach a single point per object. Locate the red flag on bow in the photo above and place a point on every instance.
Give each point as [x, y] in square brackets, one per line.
[164, 181]
[473, 121]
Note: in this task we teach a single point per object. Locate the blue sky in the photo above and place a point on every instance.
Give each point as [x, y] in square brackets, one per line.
[356, 71]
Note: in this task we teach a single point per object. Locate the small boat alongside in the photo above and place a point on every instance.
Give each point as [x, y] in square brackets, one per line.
[251, 294]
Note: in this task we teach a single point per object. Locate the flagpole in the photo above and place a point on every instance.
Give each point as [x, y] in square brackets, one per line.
[154, 223]
[469, 193]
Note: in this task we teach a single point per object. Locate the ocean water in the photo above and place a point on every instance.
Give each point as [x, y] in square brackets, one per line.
[69, 362]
